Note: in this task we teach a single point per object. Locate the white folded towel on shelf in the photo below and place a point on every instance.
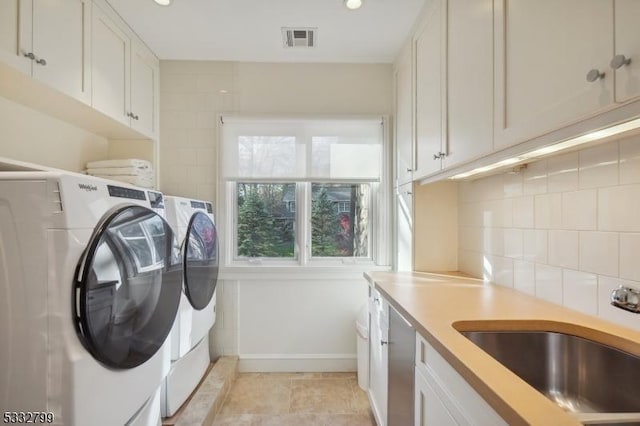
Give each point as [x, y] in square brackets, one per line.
[143, 181]
[119, 171]
[127, 162]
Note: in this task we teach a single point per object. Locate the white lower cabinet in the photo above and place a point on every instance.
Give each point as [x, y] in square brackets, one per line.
[443, 397]
[378, 356]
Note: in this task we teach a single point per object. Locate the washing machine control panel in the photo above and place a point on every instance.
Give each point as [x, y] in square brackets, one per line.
[122, 192]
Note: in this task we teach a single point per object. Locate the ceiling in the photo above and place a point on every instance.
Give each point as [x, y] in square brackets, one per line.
[250, 30]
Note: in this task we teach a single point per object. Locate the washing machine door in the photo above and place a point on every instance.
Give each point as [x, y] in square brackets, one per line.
[127, 287]
[200, 259]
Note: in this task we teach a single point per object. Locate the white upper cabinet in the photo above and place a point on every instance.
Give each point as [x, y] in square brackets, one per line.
[469, 80]
[403, 134]
[552, 65]
[454, 85]
[627, 44]
[48, 40]
[145, 86]
[124, 75]
[430, 73]
[110, 67]
[15, 28]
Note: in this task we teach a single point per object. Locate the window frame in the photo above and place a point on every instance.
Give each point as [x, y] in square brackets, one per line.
[379, 250]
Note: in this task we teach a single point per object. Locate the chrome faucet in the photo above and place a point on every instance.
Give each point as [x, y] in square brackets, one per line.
[626, 298]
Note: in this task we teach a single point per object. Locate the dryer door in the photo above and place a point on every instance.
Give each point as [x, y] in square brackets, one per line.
[200, 253]
[127, 288]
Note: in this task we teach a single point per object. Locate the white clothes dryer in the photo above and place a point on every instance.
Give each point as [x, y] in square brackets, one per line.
[90, 282]
[194, 225]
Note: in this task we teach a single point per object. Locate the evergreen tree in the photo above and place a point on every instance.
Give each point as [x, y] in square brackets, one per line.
[325, 225]
[255, 227]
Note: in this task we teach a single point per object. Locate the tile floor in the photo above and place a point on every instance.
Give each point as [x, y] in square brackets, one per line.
[294, 399]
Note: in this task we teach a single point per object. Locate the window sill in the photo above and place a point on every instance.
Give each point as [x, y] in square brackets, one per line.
[266, 272]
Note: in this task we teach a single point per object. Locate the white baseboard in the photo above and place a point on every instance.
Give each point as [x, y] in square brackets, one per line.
[290, 363]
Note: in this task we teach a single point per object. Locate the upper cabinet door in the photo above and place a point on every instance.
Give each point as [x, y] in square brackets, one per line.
[469, 80]
[110, 68]
[15, 34]
[60, 31]
[404, 118]
[430, 85]
[145, 70]
[544, 51]
[627, 43]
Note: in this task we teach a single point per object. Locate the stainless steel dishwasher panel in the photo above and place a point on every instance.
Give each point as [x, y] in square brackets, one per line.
[402, 342]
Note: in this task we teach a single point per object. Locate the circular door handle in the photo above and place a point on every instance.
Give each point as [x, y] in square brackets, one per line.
[619, 61]
[594, 75]
[41, 61]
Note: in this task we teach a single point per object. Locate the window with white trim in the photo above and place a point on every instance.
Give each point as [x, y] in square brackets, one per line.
[299, 191]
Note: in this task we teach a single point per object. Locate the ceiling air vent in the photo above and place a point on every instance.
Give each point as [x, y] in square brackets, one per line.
[299, 37]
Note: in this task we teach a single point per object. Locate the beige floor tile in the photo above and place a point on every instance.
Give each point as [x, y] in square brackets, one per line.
[321, 396]
[252, 395]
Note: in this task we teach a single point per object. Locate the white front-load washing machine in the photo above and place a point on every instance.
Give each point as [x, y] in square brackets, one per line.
[194, 225]
[90, 282]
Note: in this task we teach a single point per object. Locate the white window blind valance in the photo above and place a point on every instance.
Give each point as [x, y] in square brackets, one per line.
[302, 149]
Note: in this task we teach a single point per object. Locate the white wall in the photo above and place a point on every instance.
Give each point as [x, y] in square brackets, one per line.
[281, 323]
[28, 135]
[566, 229]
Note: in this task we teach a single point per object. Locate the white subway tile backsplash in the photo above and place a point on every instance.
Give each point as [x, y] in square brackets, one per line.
[524, 277]
[630, 256]
[564, 249]
[566, 228]
[535, 245]
[499, 270]
[606, 285]
[523, 212]
[579, 210]
[580, 291]
[512, 184]
[548, 211]
[493, 241]
[619, 208]
[562, 172]
[535, 178]
[549, 283]
[630, 160]
[598, 166]
[599, 252]
[513, 245]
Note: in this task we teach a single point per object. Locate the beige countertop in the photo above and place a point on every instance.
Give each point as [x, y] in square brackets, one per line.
[441, 305]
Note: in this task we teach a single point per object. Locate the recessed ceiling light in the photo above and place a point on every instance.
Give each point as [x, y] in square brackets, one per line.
[353, 4]
[163, 2]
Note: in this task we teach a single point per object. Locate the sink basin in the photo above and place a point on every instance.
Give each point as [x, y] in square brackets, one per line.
[580, 375]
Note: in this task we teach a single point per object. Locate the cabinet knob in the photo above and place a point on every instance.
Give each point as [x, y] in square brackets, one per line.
[619, 61]
[41, 61]
[409, 170]
[136, 117]
[408, 192]
[594, 75]
[29, 55]
[439, 155]
[383, 342]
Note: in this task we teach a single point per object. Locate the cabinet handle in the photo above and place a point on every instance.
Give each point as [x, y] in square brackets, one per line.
[439, 155]
[136, 117]
[594, 75]
[383, 342]
[409, 170]
[619, 61]
[29, 55]
[408, 192]
[41, 61]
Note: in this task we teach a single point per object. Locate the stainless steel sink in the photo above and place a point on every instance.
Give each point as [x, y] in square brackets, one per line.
[580, 375]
